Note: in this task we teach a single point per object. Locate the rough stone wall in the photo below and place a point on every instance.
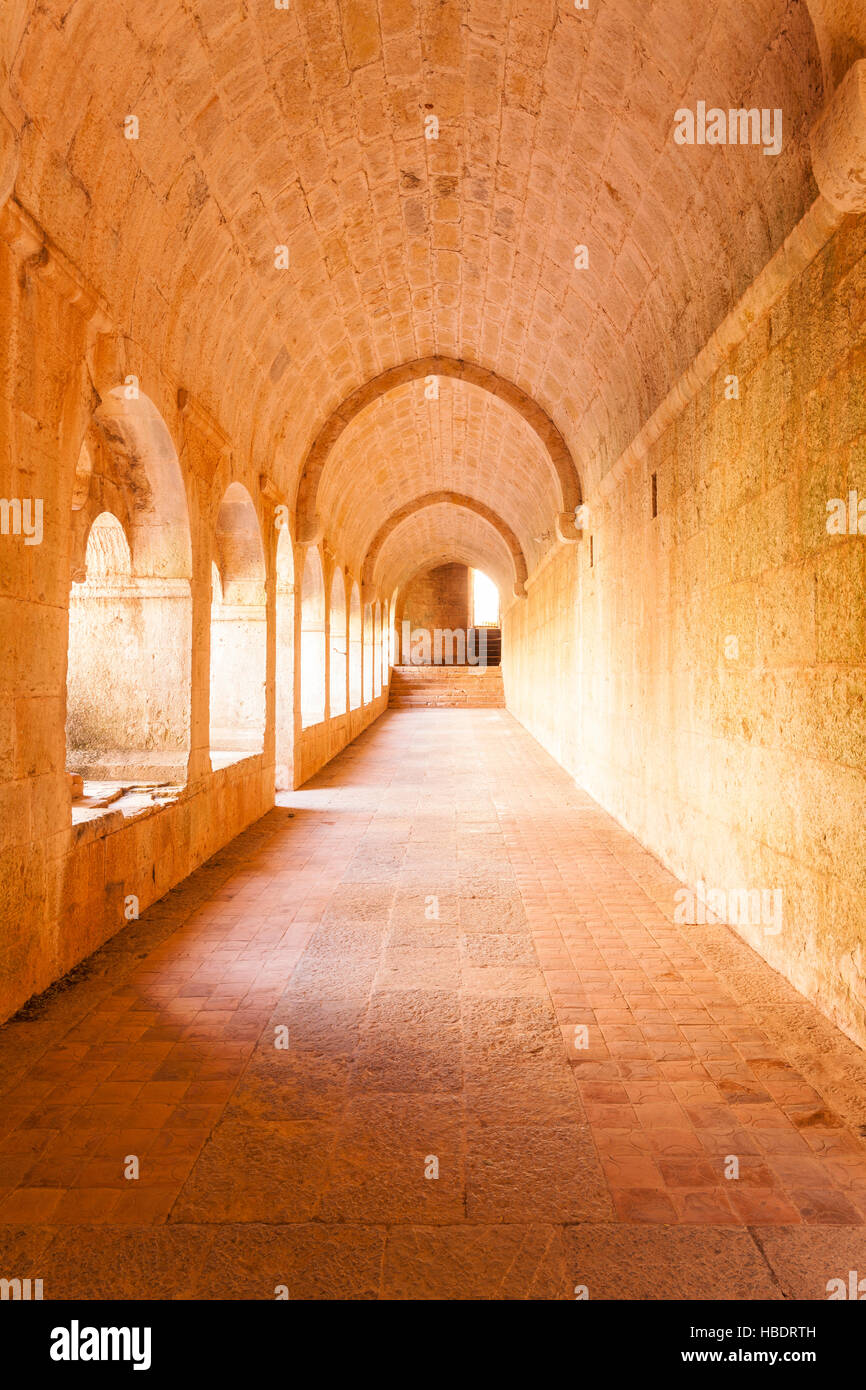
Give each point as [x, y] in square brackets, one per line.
[540, 651]
[237, 696]
[128, 674]
[439, 599]
[705, 677]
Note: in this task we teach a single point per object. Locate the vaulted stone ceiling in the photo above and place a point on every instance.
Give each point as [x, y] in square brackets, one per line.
[437, 535]
[262, 127]
[405, 446]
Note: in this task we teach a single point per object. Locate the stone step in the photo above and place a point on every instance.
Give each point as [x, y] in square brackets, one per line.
[446, 687]
[446, 673]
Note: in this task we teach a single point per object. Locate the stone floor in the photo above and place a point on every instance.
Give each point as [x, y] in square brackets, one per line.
[435, 924]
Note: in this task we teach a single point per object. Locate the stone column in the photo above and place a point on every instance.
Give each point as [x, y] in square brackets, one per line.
[8, 159]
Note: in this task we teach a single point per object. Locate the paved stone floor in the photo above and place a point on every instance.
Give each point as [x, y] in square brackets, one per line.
[433, 927]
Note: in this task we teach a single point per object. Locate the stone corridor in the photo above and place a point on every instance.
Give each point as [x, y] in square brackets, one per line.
[433, 919]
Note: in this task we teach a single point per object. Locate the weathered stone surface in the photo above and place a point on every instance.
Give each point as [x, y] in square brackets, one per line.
[306, 312]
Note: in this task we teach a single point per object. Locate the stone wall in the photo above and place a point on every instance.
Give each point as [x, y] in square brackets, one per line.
[439, 598]
[319, 743]
[703, 674]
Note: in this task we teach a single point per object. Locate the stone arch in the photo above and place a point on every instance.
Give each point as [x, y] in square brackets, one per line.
[285, 659]
[149, 471]
[129, 664]
[440, 534]
[432, 499]
[355, 645]
[308, 525]
[313, 641]
[108, 551]
[377, 649]
[392, 654]
[238, 630]
[339, 644]
[238, 550]
[367, 662]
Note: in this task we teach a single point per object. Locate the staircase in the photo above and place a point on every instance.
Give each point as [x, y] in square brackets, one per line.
[446, 687]
[493, 642]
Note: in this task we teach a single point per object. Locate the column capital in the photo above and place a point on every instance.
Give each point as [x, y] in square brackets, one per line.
[838, 143]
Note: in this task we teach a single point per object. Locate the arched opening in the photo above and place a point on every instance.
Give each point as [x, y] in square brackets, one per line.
[557, 466]
[377, 649]
[145, 465]
[355, 648]
[417, 516]
[130, 612]
[128, 669]
[392, 649]
[486, 619]
[368, 653]
[339, 645]
[285, 661]
[386, 643]
[312, 640]
[238, 632]
[485, 601]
